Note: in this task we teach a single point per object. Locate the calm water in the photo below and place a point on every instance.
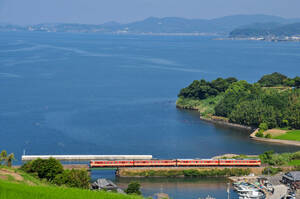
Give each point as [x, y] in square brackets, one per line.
[181, 188]
[105, 94]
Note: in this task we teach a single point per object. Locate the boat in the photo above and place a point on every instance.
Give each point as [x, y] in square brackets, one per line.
[248, 191]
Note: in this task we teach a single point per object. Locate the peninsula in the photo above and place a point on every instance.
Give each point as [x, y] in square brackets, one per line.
[272, 102]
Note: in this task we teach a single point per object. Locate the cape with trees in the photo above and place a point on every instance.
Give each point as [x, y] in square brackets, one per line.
[273, 100]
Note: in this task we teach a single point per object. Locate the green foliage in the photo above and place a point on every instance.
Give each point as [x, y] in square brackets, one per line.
[274, 79]
[133, 188]
[191, 173]
[296, 155]
[268, 136]
[73, 178]
[266, 156]
[247, 104]
[8, 159]
[22, 191]
[201, 89]
[271, 170]
[188, 103]
[44, 168]
[255, 106]
[3, 156]
[263, 126]
[205, 107]
[275, 159]
[295, 163]
[259, 134]
[233, 95]
[52, 171]
[297, 82]
[216, 172]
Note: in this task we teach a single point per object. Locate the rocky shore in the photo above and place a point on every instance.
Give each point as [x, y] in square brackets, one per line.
[226, 123]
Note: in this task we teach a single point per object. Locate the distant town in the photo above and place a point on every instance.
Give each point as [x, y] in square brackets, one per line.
[240, 27]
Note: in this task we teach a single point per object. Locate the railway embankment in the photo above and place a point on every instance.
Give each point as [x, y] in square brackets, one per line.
[187, 171]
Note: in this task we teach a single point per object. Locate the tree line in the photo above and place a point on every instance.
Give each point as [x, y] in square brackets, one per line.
[52, 171]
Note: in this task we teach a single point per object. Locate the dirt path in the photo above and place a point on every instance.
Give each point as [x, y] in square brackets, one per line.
[5, 172]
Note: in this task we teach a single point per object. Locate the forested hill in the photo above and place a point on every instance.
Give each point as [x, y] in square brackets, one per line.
[266, 29]
[274, 100]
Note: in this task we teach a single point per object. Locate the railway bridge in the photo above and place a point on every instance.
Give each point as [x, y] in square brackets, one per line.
[76, 158]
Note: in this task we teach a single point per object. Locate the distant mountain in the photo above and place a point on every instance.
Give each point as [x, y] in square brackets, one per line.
[267, 29]
[155, 25]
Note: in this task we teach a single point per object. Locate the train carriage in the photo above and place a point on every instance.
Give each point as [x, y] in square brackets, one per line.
[155, 163]
[119, 163]
[236, 162]
[197, 163]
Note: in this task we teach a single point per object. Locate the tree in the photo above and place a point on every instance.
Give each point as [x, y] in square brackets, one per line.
[263, 126]
[47, 169]
[297, 82]
[133, 188]
[10, 158]
[73, 178]
[3, 156]
[274, 79]
[233, 95]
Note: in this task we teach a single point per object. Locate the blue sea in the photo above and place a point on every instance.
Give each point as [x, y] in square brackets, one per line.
[64, 93]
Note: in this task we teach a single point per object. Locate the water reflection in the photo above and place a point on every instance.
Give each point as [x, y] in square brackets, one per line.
[183, 188]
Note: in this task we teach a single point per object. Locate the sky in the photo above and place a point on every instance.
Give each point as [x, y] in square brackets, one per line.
[25, 12]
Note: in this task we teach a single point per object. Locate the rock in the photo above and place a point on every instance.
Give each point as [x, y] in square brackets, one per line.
[104, 184]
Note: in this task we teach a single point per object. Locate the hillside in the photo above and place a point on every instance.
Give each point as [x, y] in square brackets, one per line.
[17, 184]
[155, 25]
[267, 29]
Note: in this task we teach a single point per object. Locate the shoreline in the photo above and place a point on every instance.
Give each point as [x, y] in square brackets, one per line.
[239, 126]
[178, 172]
[222, 122]
[277, 141]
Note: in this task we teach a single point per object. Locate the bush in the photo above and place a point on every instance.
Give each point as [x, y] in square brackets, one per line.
[259, 134]
[271, 170]
[133, 188]
[216, 172]
[47, 169]
[296, 155]
[266, 156]
[263, 126]
[268, 136]
[73, 178]
[269, 157]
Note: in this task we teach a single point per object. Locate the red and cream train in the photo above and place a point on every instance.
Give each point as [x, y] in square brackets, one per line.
[176, 163]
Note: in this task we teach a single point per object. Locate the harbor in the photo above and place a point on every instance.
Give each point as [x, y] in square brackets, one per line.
[279, 186]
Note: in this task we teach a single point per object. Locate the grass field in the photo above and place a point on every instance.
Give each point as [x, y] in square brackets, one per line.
[294, 163]
[291, 135]
[10, 190]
